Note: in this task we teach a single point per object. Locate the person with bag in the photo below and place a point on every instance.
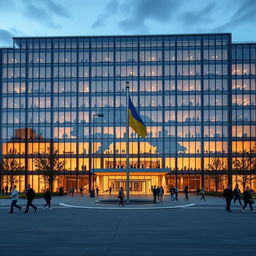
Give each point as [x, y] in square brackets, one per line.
[121, 196]
[248, 199]
[30, 194]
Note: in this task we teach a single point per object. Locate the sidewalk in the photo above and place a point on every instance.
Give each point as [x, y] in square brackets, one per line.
[78, 200]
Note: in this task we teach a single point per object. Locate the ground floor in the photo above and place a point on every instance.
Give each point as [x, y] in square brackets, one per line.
[140, 183]
[205, 229]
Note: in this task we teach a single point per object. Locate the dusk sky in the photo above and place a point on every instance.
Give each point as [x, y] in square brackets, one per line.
[126, 17]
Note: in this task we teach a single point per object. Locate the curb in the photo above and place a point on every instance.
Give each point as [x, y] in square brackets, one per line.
[125, 208]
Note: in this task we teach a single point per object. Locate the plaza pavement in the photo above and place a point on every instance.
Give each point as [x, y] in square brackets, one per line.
[202, 229]
[78, 200]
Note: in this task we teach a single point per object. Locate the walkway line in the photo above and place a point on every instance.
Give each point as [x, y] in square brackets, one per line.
[125, 208]
[217, 207]
[46, 209]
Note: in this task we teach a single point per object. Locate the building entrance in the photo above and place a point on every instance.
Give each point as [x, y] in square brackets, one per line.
[139, 183]
[136, 186]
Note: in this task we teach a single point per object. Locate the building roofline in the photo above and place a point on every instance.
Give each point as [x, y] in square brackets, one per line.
[5, 47]
[245, 42]
[116, 36]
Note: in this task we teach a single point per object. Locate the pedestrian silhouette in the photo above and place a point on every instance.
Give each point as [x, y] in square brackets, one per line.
[161, 193]
[228, 194]
[176, 192]
[121, 196]
[97, 191]
[155, 193]
[81, 190]
[186, 192]
[72, 190]
[47, 198]
[61, 191]
[202, 192]
[30, 195]
[248, 199]
[15, 197]
[237, 194]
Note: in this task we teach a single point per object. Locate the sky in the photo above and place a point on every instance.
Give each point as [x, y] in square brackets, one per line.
[126, 17]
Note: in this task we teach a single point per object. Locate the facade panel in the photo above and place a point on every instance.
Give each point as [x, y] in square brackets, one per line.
[195, 93]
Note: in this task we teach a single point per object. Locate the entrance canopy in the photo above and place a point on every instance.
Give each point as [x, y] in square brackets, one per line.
[132, 170]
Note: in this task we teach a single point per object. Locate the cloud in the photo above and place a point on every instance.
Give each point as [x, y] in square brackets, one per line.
[198, 17]
[141, 11]
[6, 5]
[110, 9]
[112, 6]
[100, 22]
[56, 8]
[133, 24]
[5, 37]
[244, 14]
[39, 15]
[138, 12]
[44, 12]
[16, 31]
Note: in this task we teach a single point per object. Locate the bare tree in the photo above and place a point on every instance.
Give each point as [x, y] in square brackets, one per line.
[1, 173]
[245, 167]
[216, 166]
[49, 166]
[10, 169]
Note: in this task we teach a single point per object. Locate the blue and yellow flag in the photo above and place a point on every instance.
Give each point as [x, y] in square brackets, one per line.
[135, 121]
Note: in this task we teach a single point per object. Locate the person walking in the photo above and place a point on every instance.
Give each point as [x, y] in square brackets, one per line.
[30, 195]
[172, 191]
[110, 190]
[6, 189]
[202, 192]
[237, 194]
[97, 191]
[47, 198]
[158, 193]
[81, 190]
[121, 196]
[228, 194]
[155, 193]
[161, 193]
[14, 197]
[72, 190]
[61, 191]
[186, 192]
[248, 199]
[176, 192]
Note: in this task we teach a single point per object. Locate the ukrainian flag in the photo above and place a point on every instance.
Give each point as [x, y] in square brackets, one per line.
[135, 121]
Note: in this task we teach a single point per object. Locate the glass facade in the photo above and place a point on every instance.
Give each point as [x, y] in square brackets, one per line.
[195, 93]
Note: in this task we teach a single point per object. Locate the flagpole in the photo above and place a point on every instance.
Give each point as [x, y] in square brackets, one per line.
[127, 144]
